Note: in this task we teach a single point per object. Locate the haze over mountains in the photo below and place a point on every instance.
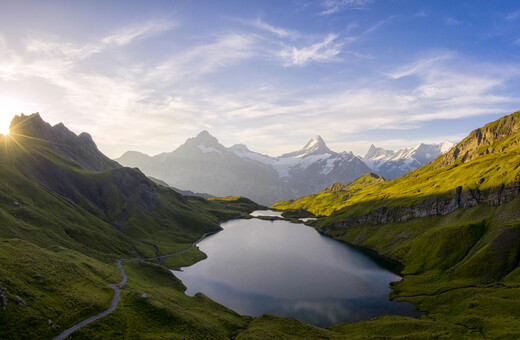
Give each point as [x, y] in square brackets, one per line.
[202, 164]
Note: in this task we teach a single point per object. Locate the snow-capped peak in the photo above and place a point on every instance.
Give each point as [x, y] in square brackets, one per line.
[377, 152]
[315, 146]
[446, 146]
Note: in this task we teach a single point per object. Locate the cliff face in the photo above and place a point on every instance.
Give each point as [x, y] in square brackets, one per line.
[460, 198]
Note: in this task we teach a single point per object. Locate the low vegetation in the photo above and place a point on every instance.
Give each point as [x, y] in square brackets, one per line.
[461, 261]
[63, 224]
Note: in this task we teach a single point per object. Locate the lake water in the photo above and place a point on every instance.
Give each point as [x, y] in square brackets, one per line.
[256, 266]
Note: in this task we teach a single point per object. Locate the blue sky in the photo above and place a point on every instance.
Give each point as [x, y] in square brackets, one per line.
[146, 75]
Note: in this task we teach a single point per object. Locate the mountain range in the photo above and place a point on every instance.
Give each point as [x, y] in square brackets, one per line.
[202, 164]
[393, 164]
[67, 213]
[453, 225]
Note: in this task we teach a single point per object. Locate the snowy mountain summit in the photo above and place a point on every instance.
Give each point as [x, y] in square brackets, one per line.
[392, 164]
[315, 146]
[202, 164]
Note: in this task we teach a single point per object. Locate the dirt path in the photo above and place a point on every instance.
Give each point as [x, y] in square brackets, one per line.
[116, 286]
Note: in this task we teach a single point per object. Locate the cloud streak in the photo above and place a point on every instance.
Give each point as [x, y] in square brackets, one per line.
[152, 105]
[121, 37]
[335, 6]
[325, 50]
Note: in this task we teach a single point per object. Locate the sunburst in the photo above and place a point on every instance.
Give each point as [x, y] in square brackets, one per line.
[8, 108]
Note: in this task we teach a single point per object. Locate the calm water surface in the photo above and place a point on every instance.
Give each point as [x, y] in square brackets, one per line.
[256, 266]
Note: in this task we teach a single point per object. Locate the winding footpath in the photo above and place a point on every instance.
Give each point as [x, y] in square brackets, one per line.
[116, 286]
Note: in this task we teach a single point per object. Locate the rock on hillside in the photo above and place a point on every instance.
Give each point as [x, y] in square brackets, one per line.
[482, 141]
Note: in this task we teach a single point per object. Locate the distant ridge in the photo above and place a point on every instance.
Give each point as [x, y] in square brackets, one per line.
[202, 164]
[393, 164]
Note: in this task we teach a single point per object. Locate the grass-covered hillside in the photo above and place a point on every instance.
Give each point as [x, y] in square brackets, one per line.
[331, 198]
[487, 160]
[455, 226]
[67, 213]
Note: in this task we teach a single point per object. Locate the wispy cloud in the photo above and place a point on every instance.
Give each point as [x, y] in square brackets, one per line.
[296, 48]
[223, 51]
[378, 24]
[325, 50]
[154, 104]
[513, 16]
[444, 87]
[421, 65]
[120, 37]
[452, 21]
[127, 34]
[334, 6]
[278, 31]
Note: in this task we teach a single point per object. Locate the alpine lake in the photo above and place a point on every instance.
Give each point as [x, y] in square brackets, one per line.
[257, 266]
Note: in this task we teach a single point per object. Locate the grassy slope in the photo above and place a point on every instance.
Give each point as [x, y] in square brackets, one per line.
[462, 268]
[490, 166]
[166, 312]
[468, 288]
[332, 198]
[60, 240]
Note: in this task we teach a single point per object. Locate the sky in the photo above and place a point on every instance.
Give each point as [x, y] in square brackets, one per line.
[147, 75]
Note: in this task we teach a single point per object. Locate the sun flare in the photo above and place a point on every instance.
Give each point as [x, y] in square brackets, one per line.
[9, 107]
[4, 125]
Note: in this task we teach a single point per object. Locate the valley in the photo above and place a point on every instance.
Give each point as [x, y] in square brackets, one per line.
[70, 213]
[257, 170]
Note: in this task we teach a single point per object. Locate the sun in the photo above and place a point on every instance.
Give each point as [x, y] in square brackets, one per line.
[4, 124]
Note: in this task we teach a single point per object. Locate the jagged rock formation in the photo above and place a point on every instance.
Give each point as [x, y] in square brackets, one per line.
[81, 149]
[482, 141]
[439, 205]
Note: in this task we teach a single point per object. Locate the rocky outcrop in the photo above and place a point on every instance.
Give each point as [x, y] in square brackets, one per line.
[481, 141]
[20, 301]
[3, 299]
[460, 198]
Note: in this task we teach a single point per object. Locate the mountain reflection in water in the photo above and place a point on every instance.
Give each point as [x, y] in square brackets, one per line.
[256, 266]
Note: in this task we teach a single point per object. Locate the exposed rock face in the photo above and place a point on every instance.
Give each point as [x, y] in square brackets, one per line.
[480, 141]
[460, 198]
[3, 299]
[20, 301]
